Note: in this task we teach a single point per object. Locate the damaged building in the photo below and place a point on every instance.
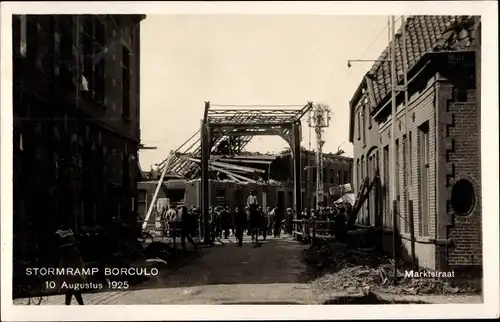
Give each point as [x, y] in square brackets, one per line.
[444, 164]
[270, 176]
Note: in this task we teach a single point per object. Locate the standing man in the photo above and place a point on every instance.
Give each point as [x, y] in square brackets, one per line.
[340, 229]
[289, 220]
[170, 215]
[278, 218]
[186, 220]
[218, 222]
[69, 257]
[270, 220]
[252, 199]
[263, 223]
[240, 222]
[253, 204]
[225, 222]
[248, 226]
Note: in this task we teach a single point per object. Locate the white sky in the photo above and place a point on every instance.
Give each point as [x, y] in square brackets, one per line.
[254, 59]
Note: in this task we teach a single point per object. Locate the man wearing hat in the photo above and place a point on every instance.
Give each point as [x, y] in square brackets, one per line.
[340, 224]
[253, 204]
[186, 223]
[278, 219]
[240, 222]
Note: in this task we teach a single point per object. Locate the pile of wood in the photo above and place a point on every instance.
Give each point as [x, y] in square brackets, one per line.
[335, 256]
[355, 271]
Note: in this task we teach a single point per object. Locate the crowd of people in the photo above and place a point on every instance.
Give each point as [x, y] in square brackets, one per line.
[337, 215]
[224, 222]
[251, 219]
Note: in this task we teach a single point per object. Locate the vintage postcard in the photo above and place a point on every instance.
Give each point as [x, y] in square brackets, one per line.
[249, 160]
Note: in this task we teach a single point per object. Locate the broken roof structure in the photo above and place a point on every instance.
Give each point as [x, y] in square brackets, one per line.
[234, 127]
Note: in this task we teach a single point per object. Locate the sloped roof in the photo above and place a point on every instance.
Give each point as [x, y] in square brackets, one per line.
[424, 34]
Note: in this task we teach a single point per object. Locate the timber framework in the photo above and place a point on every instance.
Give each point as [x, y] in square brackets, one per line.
[226, 130]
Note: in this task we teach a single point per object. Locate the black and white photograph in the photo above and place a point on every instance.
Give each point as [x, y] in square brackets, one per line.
[254, 158]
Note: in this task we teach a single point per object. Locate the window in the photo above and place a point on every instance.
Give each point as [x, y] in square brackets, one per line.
[57, 50]
[424, 179]
[405, 184]
[87, 38]
[340, 177]
[125, 82]
[359, 125]
[93, 39]
[463, 198]
[385, 189]
[19, 31]
[314, 174]
[100, 63]
[23, 39]
[410, 160]
[363, 124]
[362, 168]
[31, 51]
[346, 177]
[325, 175]
[367, 106]
[398, 186]
[398, 169]
[358, 175]
[331, 176]
[66, 51]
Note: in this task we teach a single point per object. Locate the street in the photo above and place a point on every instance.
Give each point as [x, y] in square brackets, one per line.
[228, 274]
[225, 274]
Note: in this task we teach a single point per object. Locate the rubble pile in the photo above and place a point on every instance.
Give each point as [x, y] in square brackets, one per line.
[356, 271]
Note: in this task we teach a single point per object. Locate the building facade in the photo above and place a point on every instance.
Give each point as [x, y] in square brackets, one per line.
[438, 182]
[76, 128]
[337, 170]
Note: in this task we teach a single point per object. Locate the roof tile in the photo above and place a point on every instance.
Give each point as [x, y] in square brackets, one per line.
[424, 34]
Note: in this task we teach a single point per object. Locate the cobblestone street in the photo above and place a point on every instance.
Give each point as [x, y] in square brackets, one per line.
[228, 274]
[225, 274]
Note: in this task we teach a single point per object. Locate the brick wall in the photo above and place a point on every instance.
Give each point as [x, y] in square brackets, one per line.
[69, 162]
[464, 163]
[420, 110]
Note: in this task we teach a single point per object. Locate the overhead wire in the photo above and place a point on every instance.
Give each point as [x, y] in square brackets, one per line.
[254, 105]
[375, 40]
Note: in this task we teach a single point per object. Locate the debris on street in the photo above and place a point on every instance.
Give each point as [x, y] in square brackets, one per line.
[356, 271]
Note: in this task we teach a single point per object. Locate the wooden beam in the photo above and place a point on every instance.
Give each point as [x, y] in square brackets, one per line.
[246, 161]
[229, 174]
[236, 167]
[255, 157]
[228, 166]
[233, 174]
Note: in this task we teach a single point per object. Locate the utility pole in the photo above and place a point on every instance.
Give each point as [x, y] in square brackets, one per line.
[393, 146]
[409, 207]
[320, 120]
[309, 175]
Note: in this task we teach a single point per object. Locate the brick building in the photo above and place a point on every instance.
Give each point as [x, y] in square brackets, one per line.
[444, 166]
[337, 170]
[75, 142]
